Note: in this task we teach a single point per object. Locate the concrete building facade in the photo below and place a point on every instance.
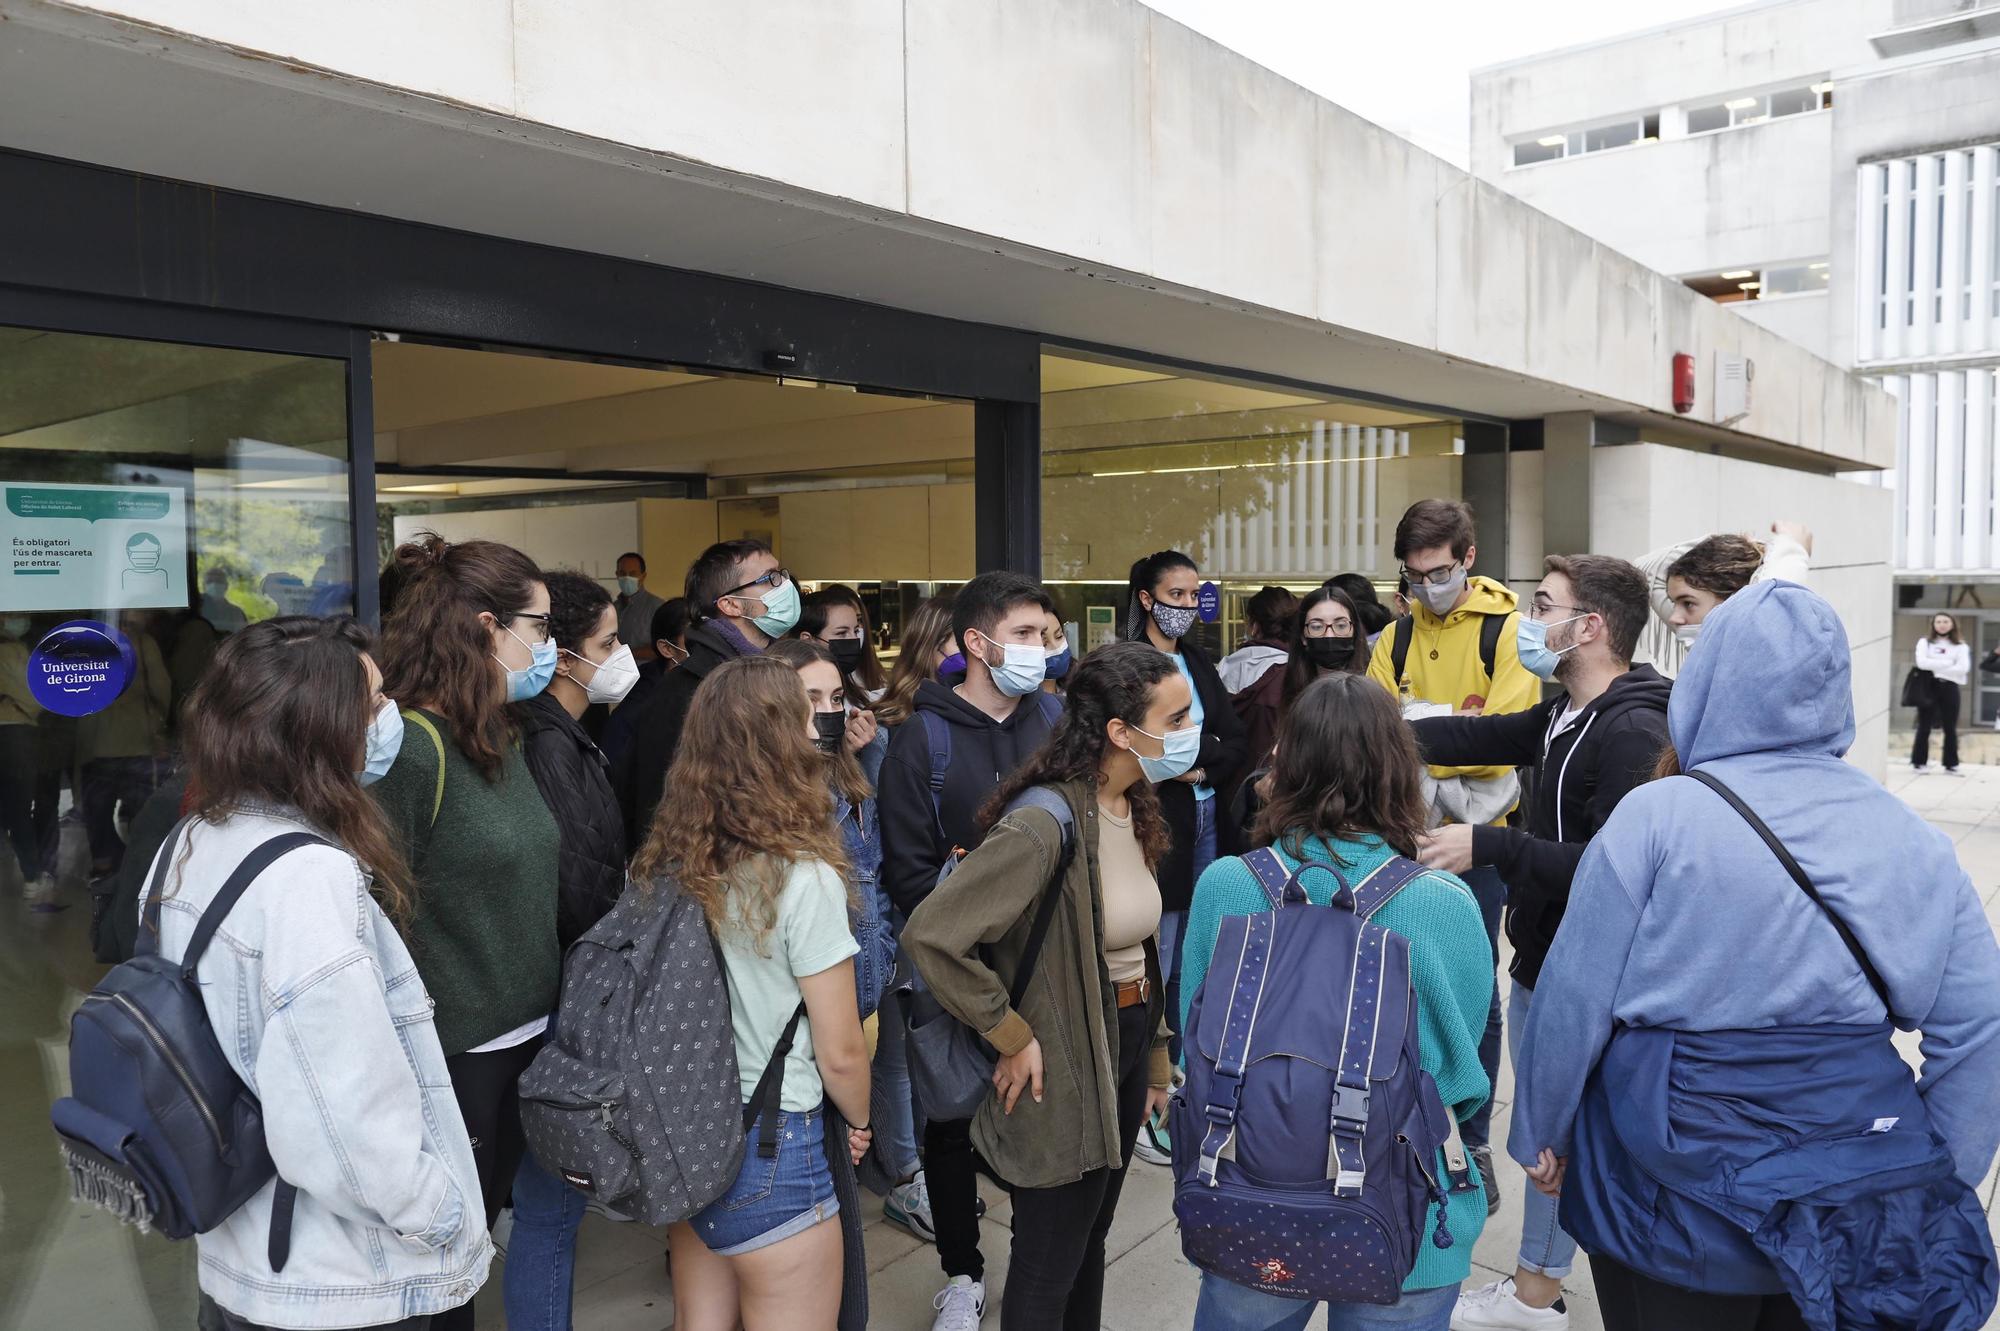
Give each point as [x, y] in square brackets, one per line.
[1830, 169]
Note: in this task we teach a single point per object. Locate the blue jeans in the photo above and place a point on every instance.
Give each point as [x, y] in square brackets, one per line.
[889, 1095]
[1544, 1246]
[541, 1256]
[1490, 891]
[1227, 1306]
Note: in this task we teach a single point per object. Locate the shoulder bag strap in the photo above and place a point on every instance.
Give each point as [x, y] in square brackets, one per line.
[1045, 912]
[1272, 875]
[767, 1094]
[423, 723]
[1489, 641]
[1805, 884]
[1381, 886]
[148, 941]
[232, 891]
[1399, 645]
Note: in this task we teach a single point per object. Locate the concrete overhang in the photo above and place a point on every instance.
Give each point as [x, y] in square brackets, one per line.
[1091, 172]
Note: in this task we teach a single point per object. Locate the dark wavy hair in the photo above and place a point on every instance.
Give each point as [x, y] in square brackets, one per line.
[576, 604]
[281, 717]
[435, 652]
[1145, 577]
[812, 619]
[1346, 766]
[1300, 672]
[1116, 680]
[1721, 565]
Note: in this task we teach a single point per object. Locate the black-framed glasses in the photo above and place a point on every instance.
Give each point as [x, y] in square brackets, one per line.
[541, 623]
[771, 581]
[1340, 628]
[1436, 577]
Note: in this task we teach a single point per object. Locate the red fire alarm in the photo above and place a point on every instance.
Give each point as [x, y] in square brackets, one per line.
[1683, 383]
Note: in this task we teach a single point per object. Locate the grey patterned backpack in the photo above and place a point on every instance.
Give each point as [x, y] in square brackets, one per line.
[635, 1099]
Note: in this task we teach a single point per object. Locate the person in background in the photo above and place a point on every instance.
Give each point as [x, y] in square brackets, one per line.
[19, 711]
[671, 623]
[927, 642]
[1589, 747]
[1267, 637]
[1694, 980]
[1058, 660]
[1331, 638]
[1347, 791]
[592, 666]
[1453, 618]
[216, 607]
[636, 606]
[1161, 610]
[470, 635]
[1948, 660]
[743, 601]
[1062, 1123]
[1400, 602]
[1690, 579]
[835, 616]
[670, 628]
[315, 1000]
[746, 829]
[1371, 614]
[993, 715]
[124, 748]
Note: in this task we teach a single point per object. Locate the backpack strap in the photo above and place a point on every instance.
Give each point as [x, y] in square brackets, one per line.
[1047, 800]
[768, 1093]
[423, 723]
[1346, 1162]
[1399, 646]
[938, 731]
[148, 941]
[1798, 874]
[1246, 995]
[1489, 641]
[1282, 886]
[225, 899]
[1382, 884]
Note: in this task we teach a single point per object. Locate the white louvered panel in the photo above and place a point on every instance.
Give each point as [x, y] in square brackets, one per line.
[1924, 245]
[1917, 494]
[1895, 386]
[1950, 473]
[1315, 542]
[1365, 447]
[1896, 289]
[1982, 330]
[1979, 413]
[1869, 238]
[1952, 257]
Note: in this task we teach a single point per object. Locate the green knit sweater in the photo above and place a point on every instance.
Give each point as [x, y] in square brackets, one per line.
[1452, 968]
[484, 929]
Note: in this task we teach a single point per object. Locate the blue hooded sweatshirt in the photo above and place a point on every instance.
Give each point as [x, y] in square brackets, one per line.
[1681, 918]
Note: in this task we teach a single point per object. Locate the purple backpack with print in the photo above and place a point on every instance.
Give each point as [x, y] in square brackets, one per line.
[1307, 1136]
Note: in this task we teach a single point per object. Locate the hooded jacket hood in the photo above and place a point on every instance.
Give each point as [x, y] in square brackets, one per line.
[1770, 673]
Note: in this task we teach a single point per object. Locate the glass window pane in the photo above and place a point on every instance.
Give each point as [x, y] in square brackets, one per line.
[1610, 136]
[1701, 119]
[1534, 150]
[1794, 279]
[1794, 101]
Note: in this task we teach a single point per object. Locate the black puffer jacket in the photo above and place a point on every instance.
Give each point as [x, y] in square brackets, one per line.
[572, 775]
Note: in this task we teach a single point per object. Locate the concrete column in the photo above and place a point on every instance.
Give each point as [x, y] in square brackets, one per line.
[1567, 439]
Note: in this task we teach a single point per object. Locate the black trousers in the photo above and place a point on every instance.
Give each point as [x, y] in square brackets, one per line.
[483, 1085]
[111, 786]
[17, 797]
[1629, 1301]
[1056, 1278]
[1942, 713]
[951, 1174]
[212, 1316]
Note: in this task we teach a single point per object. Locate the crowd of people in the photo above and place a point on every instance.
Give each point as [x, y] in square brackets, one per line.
[990, 909]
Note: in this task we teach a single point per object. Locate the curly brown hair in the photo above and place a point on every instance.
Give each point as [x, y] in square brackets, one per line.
[924, 635]
[746, 798]
[1116, 680]
[1721, 565]
[1346, 766]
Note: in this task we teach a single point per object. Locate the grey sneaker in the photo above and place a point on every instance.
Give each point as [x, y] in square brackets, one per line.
[909, 1205]
[1483, 1157]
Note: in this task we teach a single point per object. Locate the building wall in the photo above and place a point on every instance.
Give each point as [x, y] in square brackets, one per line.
[1803, 319]
[1647, 496]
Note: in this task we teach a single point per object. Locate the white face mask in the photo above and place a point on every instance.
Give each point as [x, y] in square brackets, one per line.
[1685, 634]
[615, 675]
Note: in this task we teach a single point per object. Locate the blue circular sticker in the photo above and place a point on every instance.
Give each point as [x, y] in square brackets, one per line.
[80, 667]
[1209, 601]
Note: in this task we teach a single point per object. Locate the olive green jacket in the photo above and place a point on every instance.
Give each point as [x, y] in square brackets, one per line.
[983, 914]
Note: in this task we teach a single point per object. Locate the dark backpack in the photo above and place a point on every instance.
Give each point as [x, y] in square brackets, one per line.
[1404, 629]
[938, 731]
[635, 1099]
[158, 1128]
[1307, 1134]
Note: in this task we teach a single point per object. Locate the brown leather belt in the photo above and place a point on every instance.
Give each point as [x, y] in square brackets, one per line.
[1134, 993]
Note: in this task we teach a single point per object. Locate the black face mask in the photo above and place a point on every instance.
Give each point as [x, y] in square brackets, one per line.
[832, 728]
[1330, 653]
[847, 653]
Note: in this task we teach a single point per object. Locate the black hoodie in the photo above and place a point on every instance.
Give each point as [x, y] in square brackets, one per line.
[639, 773]
[1580, 775]
[983, 751]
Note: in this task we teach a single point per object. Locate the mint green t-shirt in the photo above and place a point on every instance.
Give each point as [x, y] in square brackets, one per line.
[811, 935]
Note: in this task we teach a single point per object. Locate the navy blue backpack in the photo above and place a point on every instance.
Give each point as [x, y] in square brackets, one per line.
[158, 1128]
[1318, 1130]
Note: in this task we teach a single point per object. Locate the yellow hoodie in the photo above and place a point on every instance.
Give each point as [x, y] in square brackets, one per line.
[1444, 665]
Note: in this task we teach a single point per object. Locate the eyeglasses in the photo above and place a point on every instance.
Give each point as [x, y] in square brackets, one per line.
[1541, 607]
[771, 581]
[540, 625]
[1436, 577]
[1339, 628]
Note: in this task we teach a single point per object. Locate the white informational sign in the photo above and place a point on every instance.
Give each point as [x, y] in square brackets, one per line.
[92, 547]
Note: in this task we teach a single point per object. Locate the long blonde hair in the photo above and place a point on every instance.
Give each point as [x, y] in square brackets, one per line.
[924, 636]
[746, 798]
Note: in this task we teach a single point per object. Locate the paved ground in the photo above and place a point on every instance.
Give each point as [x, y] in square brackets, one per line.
[621, 1285]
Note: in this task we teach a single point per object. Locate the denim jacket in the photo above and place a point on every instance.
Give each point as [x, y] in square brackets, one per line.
[873, 929]
[316, 1002]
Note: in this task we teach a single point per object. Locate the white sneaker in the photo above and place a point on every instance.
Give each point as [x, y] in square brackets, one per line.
[960, 1305]
[1495, 1308]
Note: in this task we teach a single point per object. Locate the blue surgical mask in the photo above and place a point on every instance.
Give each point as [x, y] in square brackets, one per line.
[385, 741]
[1179, 750]
[1058, 663]
[525, 684]
[781, 610]
[627, 586]
[1531, 639]
[1021, 670]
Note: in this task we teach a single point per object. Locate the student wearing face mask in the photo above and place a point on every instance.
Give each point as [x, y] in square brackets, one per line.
[469, 635]
[744, 601]
[636, 606]
[1589, 746]
[1161, 611]
[1690, 579]
[1057, 659]
[970, 729]
[592, 666]
[835, 615]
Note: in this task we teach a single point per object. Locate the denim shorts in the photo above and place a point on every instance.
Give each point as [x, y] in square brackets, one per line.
[774, 1199]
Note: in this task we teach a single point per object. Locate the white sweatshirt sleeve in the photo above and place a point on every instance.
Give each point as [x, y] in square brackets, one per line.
[1784, 560]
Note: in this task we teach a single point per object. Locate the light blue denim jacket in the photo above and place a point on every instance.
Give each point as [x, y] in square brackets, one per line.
[318, 1006]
